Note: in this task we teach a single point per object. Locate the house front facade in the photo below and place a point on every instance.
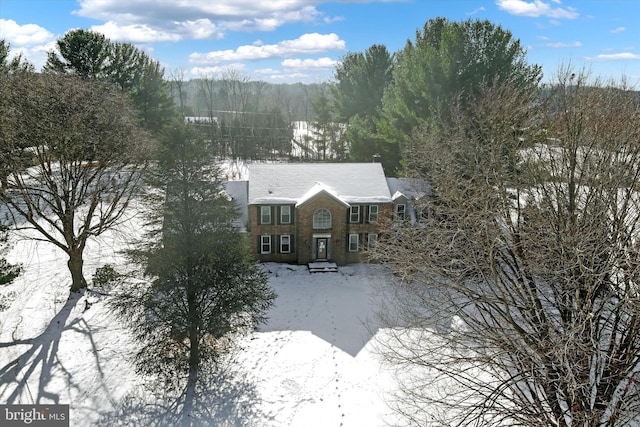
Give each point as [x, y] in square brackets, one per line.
[302, 213]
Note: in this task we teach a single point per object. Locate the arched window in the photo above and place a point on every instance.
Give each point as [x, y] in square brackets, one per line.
[321, 219]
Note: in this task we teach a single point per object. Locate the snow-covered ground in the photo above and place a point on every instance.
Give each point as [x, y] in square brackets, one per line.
[313, 364]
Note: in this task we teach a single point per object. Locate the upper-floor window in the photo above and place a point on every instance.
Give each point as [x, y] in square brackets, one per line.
[285, 215]
[321, 219]
[400, 211]
[354, 214]
[265, 214]
[373, 213]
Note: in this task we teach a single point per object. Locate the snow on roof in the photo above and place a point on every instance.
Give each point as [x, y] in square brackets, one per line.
[237, 190]
[290, 182]
[317, 189]
[397, 195]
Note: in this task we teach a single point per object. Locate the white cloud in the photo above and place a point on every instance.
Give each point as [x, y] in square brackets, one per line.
[143, 33]
[536, 9]
[622, 56]
[29, 40]
[476, 11]
[310, 64]
[306, 44]
[618, 30]
[193, 9]
[135, 33]
[564, 44]
[24, 35]
[201, 29]
[329, 19]
[197, 19]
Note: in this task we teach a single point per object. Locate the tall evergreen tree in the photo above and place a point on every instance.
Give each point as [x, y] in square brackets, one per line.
[92, 56]
[82, 53]
[13, 65]
[361, 79]
[449, 62]
[326, 132]
[204, 286]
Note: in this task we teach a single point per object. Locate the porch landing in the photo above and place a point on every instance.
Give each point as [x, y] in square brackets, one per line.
[322, 267]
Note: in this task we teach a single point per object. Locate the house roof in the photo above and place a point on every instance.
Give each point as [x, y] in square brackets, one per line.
[317, 189]
[410, 188]
[293, 183]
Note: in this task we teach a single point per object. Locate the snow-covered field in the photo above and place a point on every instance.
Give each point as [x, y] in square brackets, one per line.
[313, 364]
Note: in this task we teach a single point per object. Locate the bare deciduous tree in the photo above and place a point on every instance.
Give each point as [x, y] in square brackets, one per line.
[73, 151]
[520, 286]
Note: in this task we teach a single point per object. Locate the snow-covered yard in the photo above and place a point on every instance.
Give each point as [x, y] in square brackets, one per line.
[313, 364]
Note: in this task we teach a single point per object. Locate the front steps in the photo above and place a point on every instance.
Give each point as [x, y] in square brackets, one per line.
[323, 267]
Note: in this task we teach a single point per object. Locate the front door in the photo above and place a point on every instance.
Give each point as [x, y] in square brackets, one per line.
[321, 248]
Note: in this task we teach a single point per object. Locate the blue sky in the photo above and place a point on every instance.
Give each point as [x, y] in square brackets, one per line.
[287, 41]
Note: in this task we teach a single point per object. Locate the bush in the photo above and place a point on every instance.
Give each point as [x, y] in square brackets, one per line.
[8, 272]
[106, 277]
[6, 300]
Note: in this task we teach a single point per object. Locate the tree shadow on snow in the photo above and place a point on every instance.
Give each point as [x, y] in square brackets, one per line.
[16, 375]
[227, 399]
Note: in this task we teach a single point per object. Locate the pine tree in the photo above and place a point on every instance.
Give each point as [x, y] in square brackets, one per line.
[204, 288]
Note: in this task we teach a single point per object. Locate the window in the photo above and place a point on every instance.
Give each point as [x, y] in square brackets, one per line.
[353, 243]
[285, 244]
[354, 214]
[322, 219]
[371, 240]
[400, 212]
[373, 213]
[265, 244]
[265, 214]
[285, 215]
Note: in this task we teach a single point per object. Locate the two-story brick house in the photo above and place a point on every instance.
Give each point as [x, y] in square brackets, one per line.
[301, 213]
